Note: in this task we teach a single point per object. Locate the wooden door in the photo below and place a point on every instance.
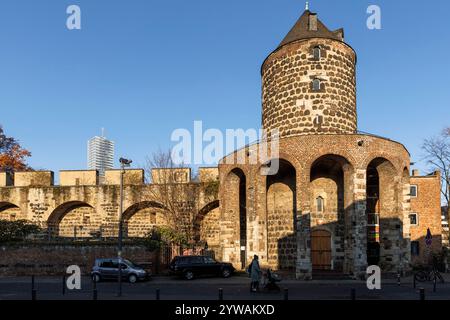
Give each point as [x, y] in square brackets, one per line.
[321, 250]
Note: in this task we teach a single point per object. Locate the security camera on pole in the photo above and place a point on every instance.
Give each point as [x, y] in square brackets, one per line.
[123, 164]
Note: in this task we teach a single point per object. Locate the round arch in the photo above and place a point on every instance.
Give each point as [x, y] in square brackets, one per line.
[383, 196]
[281, 206]
[74, 219]
[205, 210]
[10, 211]
[140, 218]
[210, 216]
[331, 199]
[338, 160]
[383, 158]
[287, 158]
[233, 196]
[132, 209]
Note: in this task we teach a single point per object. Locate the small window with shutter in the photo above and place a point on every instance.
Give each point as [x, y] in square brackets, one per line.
[316, 53]
[316, 85]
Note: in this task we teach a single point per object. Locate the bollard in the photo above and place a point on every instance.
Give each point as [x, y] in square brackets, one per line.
[33, 290]
[220, 294]
[64, 284]
[158, 294]
[422, 294]
[434, 284]
[353, 294]
[414, 281]
[94, 290]
[286, 294]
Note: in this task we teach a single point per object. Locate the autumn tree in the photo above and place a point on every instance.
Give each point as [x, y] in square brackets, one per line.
[437, 154]
[12, 156]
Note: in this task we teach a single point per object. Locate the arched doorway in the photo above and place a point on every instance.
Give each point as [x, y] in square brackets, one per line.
[75, 219]
[321, 250]
[281, 213]
[330, 177]
[383, 225]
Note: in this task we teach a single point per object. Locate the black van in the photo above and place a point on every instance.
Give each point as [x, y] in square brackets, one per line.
[190, 267]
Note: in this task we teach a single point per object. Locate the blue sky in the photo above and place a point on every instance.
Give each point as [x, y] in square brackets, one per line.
[142, 68]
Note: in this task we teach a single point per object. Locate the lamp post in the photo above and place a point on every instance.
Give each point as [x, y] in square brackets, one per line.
[123, 164]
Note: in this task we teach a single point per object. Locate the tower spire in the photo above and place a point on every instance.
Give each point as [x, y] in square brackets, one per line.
[307, 5]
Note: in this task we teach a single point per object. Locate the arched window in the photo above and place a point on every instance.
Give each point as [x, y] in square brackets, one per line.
[316, 85]
[320, 204]
[316, 53]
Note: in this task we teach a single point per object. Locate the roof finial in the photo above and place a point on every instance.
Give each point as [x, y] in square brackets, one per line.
[307, 5]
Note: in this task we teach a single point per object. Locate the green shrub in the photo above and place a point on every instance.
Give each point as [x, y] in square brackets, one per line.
[11, 231]
[212, 188]
[164, 235]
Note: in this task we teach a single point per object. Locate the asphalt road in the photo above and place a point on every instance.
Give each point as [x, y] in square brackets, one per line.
[235, 288]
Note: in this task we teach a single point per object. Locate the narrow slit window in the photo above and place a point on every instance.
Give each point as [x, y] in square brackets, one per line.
[316, 85]
[316, 53]
[320, 204]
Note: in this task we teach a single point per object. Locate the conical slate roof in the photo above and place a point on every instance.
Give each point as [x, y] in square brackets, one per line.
[309, 26]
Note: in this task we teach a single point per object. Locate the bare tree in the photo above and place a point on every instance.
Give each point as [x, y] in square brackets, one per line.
[437, 154]
[176, 195]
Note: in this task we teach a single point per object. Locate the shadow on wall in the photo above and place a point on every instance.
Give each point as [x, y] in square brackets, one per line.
[381, 244]
[423, 255]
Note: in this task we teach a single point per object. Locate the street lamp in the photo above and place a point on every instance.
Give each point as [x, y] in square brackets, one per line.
[123, 164]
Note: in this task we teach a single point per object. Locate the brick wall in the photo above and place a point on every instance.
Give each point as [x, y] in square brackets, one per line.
[53, 260]
[427, 205]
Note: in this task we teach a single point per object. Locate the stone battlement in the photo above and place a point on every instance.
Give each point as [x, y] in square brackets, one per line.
[112, 177]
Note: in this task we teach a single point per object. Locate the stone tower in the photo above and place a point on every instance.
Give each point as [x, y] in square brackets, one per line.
[308, 82]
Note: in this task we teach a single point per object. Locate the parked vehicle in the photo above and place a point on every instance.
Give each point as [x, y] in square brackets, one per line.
[191, 267]
[107, 269]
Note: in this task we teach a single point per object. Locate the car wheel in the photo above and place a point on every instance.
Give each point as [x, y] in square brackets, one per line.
[226, 273]
[96, 278]
[188, 275]
[132, 278]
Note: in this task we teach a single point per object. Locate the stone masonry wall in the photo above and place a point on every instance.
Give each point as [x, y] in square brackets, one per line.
[289, 101]
[282, 244]
[331, 218]
[301, 151]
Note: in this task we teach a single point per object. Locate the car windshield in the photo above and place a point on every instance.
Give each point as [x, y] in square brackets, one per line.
[130, 264]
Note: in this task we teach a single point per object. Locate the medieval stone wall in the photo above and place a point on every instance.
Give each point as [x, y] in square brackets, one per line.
[330, 217]
[282, 245]
[84, 211]
[292, 105]
[210, 229]
[353, 155]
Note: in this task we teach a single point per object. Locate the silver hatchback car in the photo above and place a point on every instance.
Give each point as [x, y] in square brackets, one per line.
[108, 269]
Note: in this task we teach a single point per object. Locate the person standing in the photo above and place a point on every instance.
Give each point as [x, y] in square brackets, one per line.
[255, 274]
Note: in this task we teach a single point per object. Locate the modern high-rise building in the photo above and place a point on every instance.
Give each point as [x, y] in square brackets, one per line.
[100, 154]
